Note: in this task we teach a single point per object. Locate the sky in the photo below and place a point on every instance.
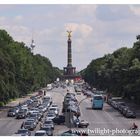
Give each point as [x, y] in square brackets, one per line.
[96, 29]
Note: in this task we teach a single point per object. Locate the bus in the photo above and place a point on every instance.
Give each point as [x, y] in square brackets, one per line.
[97, 101]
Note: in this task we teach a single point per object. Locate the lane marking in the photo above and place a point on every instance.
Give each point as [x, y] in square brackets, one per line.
[108, 115]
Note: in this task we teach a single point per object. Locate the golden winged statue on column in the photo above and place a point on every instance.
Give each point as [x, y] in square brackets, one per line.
[69, 34]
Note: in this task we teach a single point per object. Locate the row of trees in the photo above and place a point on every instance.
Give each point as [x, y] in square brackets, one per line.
[118, 73]
[20, 70]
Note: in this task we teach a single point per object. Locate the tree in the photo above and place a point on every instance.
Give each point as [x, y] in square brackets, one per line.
[118, 72]
[21, 72]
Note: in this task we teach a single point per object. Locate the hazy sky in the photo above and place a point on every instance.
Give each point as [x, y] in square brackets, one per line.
[97, 29]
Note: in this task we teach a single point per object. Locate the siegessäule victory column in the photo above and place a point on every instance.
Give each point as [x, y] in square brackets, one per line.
[70, 71]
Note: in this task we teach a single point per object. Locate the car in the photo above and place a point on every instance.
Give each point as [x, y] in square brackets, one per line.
[25, 109]
[69, 133]
[79, 93]
[71, 98]
[89, 93]
[48, 130]
[16, 108]
[42, 108]
[50, 116]
[114, 104]
[34, 116]
[124, 110]
[59, 119]
[63, 86]
[38, 114]
[83, 123]
[32, 120]
[48, 98]
[33, 98]
[55, 109]
[31, 110]
[22, 114]
[46, 103]
[70, 94]
[41, 114]
[11, 112]
[130, 114]
[121, 105]
[78, 90]
[37, 103]
[36, 121]
[121, 108]
[29, 101]
[23, 132]
[30, 125]
[54, 105]
[109, 101]
[49, 123]
[40, 133]
[24, 105]
[84, 91]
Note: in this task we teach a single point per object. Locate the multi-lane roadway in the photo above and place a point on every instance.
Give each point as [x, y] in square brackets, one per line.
[108, 120]
[104, 122]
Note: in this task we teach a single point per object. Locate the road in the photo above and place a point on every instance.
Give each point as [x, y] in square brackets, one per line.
[108, 118]
[10, 125]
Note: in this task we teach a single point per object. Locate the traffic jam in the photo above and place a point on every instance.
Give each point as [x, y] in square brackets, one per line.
[39, 111]
[41, 114]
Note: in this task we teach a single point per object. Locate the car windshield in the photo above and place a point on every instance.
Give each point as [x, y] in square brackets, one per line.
[20, 112]
[98, 98]
[33, 109]
[50, 115]
[54, 105]
[28, 123]
[22, 131]
[47, 98]
[39, 134]
[123, 104]
[41, 107]
[48, 122]
[126, 108]
[129, 111]
[46, 128]
[52, 109]
[12, 110]
[30, 120]
[23, 110]
[33, 115]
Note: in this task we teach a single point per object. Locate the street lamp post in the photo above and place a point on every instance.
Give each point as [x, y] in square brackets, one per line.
[82, 101]
[70, 118]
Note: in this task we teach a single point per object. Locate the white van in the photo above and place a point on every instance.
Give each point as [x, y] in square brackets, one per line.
[49, 86]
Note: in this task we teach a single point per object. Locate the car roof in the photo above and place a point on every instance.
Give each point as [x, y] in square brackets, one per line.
[40, 131]
[30, 119]
[48, 120]
[23, 129]
[98, 95]
[121, 102]
[46, 126]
